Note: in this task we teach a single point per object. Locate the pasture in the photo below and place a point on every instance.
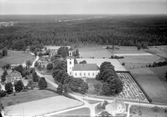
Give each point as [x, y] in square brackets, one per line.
[15, 57]
[83, 112]
[42, 106]
[151, 84]
[94, 51]
[160, 72]
[26, 97]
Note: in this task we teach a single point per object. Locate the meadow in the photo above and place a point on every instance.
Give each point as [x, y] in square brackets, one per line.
[26, 97]
[15, 57]
[151, 84]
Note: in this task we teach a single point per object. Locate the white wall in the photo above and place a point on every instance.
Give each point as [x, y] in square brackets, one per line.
[87, 74]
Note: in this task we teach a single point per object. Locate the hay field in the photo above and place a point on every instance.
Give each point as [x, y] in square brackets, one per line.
[16, 57]
[115, 62]
[96, 52]
[151, 84]
[139, 61]
[42, 106]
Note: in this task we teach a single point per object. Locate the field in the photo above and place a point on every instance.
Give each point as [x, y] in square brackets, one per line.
[140, 111]
[131, 91]
[151, 84]
[43, 106]
[15, 57]
[94, 51]
[83, 112]
[26, 97]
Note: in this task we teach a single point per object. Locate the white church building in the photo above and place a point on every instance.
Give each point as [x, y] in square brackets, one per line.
[81, 70]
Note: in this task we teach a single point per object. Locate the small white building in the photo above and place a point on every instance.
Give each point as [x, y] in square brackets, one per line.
[81, 70]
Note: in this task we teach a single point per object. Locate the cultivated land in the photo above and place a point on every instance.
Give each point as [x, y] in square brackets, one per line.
[28, 96]
[94, 51]
[83, 112]
[42, 106]
[16, 57]
[151, 84]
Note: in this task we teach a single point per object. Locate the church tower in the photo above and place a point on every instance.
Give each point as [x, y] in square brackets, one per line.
[70, 62]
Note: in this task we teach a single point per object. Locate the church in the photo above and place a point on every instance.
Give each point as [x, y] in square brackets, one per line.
[81, 70]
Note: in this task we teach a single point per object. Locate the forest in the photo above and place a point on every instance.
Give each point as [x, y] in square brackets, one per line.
[108, 30]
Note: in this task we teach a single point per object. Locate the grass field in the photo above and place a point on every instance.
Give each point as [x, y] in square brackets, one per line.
[26, 97]
[151, 84]
[96, 52]
[43, 106]
[83, 112]
[16, 57]
[139, 111]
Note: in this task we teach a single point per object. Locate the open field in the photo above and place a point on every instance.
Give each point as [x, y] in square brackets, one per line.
[160, 72]
[139, 61]
[42, 106]
[158, 50]
[16, 57]
[26, 97]
[140, 111]
[96, 52]
[151, 84]
[83, 112]
[115, 62]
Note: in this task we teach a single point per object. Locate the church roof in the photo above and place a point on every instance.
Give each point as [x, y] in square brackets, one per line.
[85, 67]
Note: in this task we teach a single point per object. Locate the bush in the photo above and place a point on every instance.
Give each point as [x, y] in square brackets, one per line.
[9, 88]
[83, 88]
[60, 89]
[19, 86]
[35, 76]
[49, 66]
[31, 84]
[2, 93]
[42, 84]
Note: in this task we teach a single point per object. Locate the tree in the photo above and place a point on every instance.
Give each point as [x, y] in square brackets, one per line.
[31, 84]
[106, 89]
[19, 86]
[9, 88]
[61, 65]
[60, 89]
[49, 66]
[83, 88]
[166, 75]
[28, 63]
[139, 46]
[83, 62]
[4, 52]
[42, 84]
[19, 68]
[75, 84]
[35, 76]
[3, 77]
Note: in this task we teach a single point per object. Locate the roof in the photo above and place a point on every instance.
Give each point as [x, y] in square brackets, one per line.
[55, 47]
[85, 67]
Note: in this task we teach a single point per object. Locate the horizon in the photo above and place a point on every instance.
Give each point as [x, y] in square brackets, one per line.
[90, 7]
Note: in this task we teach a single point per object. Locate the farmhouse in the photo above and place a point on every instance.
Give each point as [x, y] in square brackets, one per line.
[81, 70]
[43, 62]
[14, 75]
[53, 49]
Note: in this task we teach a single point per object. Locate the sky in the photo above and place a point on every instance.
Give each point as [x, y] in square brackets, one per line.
[11, 7]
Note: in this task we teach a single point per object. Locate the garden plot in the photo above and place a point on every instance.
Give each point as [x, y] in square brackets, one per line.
[114, 62]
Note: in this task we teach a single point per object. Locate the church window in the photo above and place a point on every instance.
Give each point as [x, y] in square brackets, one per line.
[93, 74]
[84, 74]
[75, 74]
[88, 74]
[80, 74]
[70, 62]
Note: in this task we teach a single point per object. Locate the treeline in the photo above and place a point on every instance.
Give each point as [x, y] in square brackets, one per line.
[125, 31]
